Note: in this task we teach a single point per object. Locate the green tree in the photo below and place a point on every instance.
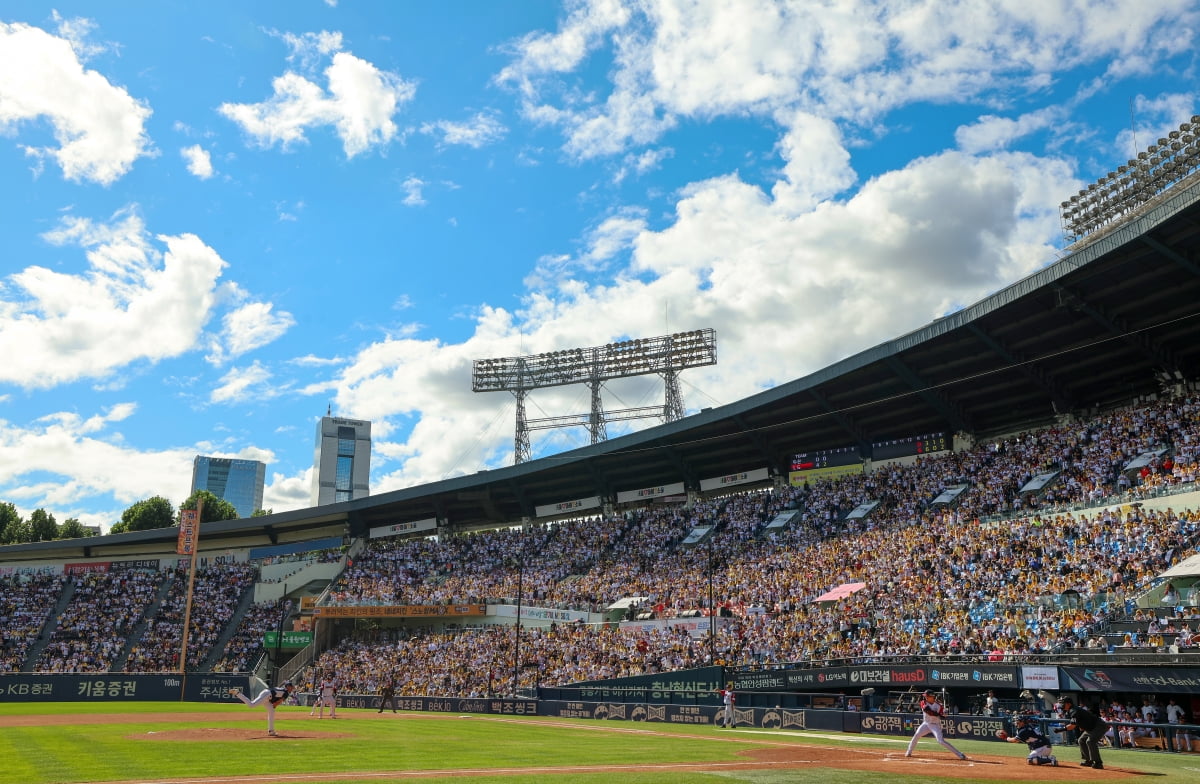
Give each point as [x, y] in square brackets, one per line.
[18, 532]
[10, 522]
[147, 515]
[215, 508]
[42, 526]
[71, 528]
[262, 512]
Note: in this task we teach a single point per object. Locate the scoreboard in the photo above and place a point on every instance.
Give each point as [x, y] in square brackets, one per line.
[826, 463]
[907, 447]
[826, 458]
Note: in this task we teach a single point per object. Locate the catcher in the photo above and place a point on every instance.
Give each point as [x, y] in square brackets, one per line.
[1040, 750]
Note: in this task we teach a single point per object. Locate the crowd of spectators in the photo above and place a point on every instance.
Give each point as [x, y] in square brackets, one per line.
[1002, 574]
[245, 646]
[997, 575]
[26, 601]
[216, 593]
[92, 631]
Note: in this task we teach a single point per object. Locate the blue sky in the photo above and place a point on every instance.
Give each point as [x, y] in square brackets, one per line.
[220, 219]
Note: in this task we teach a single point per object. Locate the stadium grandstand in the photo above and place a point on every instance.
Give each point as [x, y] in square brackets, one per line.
[1005, 499]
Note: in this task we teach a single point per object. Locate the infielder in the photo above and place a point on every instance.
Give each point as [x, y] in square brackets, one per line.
[1040, 750]
[272, 698]
[933, 712]
[726, 717]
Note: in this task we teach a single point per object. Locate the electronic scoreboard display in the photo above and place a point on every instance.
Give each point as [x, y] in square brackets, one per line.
[907, 447]
[824, 464]
[826, 458]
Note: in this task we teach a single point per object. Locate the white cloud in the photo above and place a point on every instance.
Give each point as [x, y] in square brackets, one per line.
[413, 196]
[359, 103]
[73, 466]
[482, 129]
[284, 493]
[647, 160]
[57, 327]
[310, 360]
[307, 49]
[65, 463]
[78, 31]
[99, 127]
[541, 53]
[247, 327]
[614, 235]
[850, 61]
[242, 384]
[199, 162]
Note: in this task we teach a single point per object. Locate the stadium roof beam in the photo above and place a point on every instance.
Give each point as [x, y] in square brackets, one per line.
[1171, 254]
[602, 486]
[846, 423]
[357, 524]
[934, 398]
[772, 459]
[526, 506]
[689, 475]
[1058, 398]
[1154, 352]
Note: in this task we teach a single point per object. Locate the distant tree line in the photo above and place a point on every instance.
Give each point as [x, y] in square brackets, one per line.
[145, 515]
[40, 527]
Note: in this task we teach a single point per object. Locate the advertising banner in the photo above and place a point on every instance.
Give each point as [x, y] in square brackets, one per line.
[939, 675]
[411, 527]
[806, 679]
[1135, 679]
[959, 727]
[697, 685]
[566, 507]
[115, 687]
[189, 525]
[1039, 677]
[502, 707]
[650, 493]
[290, 641]
[740, 478]
[398, 610]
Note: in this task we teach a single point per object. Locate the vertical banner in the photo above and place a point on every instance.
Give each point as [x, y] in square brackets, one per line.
[188, 523]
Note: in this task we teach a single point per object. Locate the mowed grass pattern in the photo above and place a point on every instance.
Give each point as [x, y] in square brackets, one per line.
[113, 742]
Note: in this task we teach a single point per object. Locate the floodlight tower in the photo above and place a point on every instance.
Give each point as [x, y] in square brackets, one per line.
[1134, 186]
[665, 356]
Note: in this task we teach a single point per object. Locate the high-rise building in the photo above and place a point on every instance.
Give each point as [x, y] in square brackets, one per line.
[240, 482]
[342, 465]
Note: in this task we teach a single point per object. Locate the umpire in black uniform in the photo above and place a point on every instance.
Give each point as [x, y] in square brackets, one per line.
[388, 694]
[1091, 729]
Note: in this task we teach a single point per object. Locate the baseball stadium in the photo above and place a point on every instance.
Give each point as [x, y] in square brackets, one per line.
[985, 529]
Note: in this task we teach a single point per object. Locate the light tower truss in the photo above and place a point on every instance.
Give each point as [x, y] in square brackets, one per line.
[665, 356]
[1133, 186]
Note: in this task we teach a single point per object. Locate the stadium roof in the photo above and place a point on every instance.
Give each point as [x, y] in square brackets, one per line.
[1115, 318]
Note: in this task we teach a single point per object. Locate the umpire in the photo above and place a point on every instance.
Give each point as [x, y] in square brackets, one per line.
[1091, 729]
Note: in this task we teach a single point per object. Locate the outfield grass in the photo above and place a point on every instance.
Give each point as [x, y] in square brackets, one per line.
[110, 742]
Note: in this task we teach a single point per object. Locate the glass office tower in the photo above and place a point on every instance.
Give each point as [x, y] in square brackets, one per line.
[240, 482]
[342, 464]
